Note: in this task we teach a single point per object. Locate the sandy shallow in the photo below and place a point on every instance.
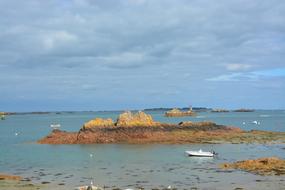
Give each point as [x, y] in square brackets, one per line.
[254, 185]
[15, 185]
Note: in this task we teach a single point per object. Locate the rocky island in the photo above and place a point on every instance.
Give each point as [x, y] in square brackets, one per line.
[141, 128]
[177, 113]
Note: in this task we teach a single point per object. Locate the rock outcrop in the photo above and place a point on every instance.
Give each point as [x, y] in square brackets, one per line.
[262, 166]
[98, 122]
[177, 113]
[126, 119]
[129, 119]
[9, 177]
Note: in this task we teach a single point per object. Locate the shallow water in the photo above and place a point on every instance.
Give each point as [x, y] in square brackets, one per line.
[122, 165]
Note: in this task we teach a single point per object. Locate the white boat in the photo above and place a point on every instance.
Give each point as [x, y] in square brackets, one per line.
[200, 153]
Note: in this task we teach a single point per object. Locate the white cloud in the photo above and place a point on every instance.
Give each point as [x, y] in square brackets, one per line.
[57, 38]
[228, 77]
[250, 76]
[237, 67]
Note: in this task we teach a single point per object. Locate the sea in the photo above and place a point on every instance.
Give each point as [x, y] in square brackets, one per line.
[133, 166]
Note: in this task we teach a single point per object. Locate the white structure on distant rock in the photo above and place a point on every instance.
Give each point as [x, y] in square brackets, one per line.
[55, 126]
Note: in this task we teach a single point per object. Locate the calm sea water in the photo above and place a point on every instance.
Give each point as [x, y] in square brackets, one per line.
[125, 166]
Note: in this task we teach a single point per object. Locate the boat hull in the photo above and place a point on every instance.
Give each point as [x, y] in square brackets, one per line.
[199, 154]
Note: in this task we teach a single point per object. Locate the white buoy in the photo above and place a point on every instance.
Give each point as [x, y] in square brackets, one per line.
[91, 155]
[243, 123]
[16, 134]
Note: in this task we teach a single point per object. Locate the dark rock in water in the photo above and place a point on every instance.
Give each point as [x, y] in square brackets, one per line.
[61, 184]
[45, 182]
[42, 174]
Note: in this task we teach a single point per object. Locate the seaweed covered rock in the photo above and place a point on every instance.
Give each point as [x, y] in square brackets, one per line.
[129, 119]
[262, 166]
[98, 122]
[196, 124]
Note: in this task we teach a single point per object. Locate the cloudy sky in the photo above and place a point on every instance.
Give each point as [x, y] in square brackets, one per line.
[133, 54]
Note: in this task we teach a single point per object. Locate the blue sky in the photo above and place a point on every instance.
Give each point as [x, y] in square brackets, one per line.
[134, 54]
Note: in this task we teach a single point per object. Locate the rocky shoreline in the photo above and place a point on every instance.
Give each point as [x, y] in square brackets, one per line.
[140, 128]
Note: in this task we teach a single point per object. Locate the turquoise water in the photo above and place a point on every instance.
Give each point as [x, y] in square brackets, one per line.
[133, 166]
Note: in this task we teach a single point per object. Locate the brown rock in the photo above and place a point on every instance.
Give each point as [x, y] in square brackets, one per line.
[98, 122]
[262, 166]
[128, 119]
[10, 177]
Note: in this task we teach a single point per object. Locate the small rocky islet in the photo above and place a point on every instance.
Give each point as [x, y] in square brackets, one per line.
[140, 128]
[261, 166]
[178, 113]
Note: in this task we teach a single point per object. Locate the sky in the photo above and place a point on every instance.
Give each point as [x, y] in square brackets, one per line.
[135, 54]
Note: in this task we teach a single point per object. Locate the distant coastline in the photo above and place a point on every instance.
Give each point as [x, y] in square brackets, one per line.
[196, 109]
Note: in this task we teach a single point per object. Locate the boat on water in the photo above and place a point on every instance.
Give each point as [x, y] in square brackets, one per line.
[201, 153]
[2, 117]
